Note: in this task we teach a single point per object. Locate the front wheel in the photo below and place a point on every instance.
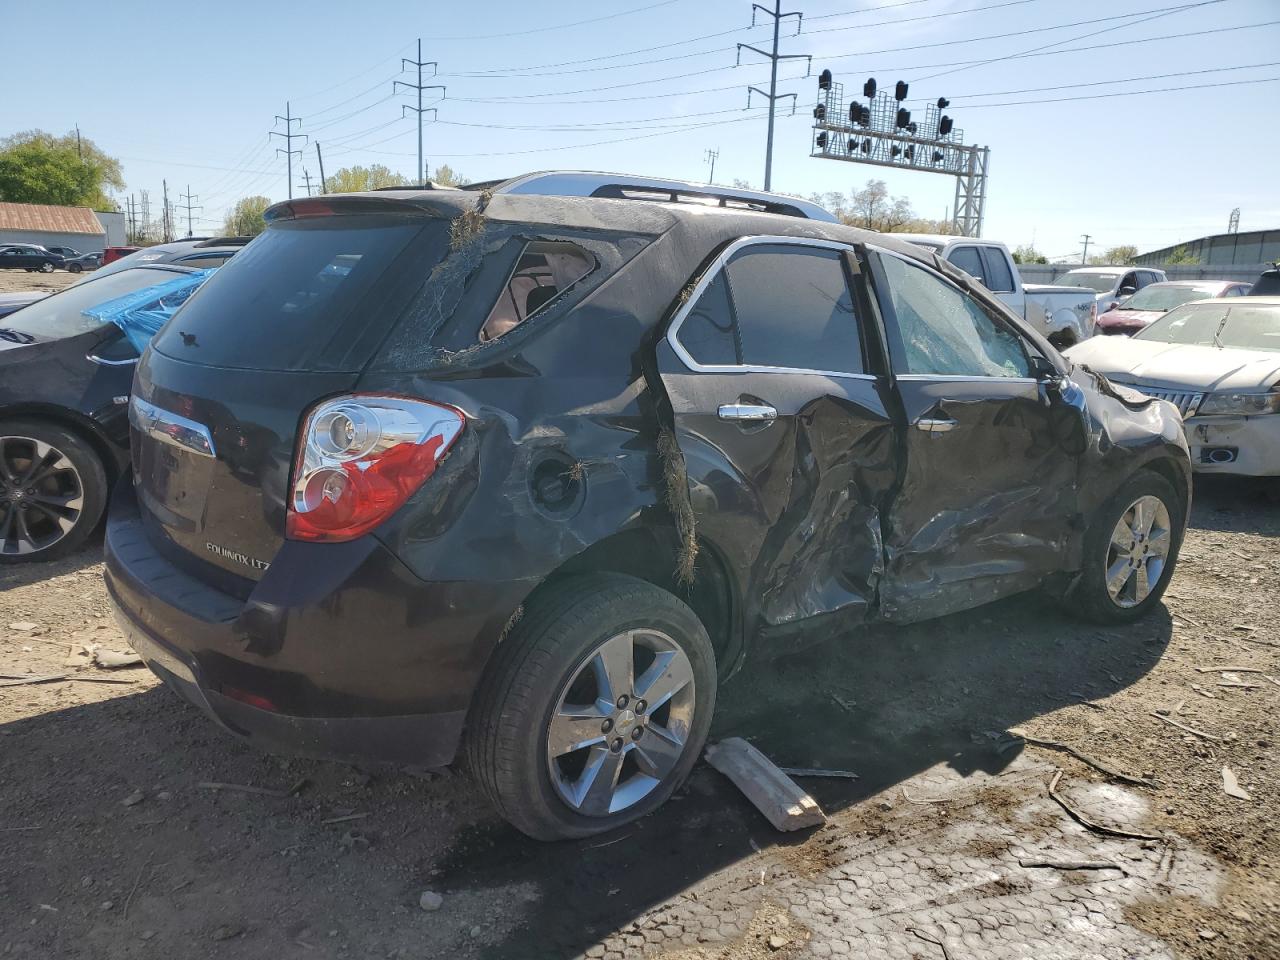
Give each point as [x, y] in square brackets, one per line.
[1131, 549]
[46, 267]
[595, 709]
[75, 268]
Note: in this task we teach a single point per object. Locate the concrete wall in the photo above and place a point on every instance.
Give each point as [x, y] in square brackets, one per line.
[1050, 272]
[84, 242]
[114, 223]
[1224, 249]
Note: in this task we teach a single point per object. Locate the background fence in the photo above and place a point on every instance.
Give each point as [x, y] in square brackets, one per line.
[1050, 272]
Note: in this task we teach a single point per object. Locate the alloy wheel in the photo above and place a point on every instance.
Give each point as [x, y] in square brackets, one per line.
[1138, 551]
[621, 722]
[41, 495]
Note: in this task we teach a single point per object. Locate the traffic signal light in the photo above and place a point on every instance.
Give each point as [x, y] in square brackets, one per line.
[869, 88]
[944, 126]
[820, 112]
[943, 103]
[824, 80]
[859, 114]
[900, 91]
[937, 156]
[904, 117]
[822, 140]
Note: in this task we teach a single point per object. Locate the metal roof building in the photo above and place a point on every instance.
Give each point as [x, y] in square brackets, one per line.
[46, 225]
[1247, 248]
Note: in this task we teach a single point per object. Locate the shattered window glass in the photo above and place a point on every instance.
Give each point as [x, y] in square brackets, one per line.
[544, 271]
[708, 331]
[794, 309]
[944, 332]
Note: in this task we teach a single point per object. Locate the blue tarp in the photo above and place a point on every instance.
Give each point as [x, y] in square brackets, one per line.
[141, 313]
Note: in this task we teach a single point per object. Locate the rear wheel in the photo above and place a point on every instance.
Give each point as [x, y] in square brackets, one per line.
[1131, 550]
[53, 490]
[46, 267]
[74, 267]
[595, 709]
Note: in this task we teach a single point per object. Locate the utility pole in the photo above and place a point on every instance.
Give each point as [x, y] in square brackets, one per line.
[189, 196]
[1084, 258]
[133, 222]
[167, 219]
[289, 136]
[306, 177]
[419, 109]
[773, 96]
[710, 157]
[324, 188]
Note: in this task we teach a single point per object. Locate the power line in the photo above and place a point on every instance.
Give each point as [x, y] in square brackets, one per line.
[561, 26]
[1125, 93]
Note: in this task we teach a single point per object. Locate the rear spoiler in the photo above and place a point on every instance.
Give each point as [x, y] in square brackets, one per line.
[332, 205]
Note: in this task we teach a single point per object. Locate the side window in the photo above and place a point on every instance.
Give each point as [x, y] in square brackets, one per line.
[942, 332]
[204, 261]
[970, 261]
[999, 277]
[545, 270]
[1128, 280]
[776, 305]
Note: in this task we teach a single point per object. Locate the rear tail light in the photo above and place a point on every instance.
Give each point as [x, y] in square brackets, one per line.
[360, 458]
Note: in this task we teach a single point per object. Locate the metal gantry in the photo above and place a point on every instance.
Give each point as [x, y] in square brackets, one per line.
[883, 132]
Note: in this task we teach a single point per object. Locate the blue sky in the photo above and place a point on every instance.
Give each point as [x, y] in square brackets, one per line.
[189, 92]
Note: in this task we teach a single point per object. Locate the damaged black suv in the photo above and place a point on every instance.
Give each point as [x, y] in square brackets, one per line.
[427, 471]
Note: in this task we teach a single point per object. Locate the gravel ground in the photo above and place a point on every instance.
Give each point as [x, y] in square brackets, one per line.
[110, 846]
[16, 281]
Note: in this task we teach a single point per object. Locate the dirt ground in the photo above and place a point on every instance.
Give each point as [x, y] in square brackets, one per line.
[112, 844]
[17, 281]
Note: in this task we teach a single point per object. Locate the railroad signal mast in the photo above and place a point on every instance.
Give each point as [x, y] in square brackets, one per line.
[883, 132]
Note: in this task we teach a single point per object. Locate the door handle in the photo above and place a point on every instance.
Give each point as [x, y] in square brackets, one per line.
[747, 411]
[935, 425]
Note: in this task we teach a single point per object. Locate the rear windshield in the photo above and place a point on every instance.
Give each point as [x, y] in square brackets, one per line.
[1101, 282]
[314, 295]
[62, 315]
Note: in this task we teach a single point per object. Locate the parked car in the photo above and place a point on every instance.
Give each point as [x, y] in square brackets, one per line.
[1218, 361]
[65, 377]
[29, 257]
[1065, 314]
[196, 253]
[85, 261]
[1268, 284]
[66, 253]
[11, 302]
[1112, 285]
[1157, 299]
[539, 504]
[112, 254]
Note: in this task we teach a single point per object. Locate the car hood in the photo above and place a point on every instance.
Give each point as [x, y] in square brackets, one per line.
[1178, 365]
[1129, 318]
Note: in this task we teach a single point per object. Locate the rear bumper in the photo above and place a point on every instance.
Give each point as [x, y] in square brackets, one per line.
[1241, 446]
[338, 652]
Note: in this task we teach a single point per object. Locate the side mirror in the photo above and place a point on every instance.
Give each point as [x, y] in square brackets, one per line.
[1128, 291]
[1043, 369]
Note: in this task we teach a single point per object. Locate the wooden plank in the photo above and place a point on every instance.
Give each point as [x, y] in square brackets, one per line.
[773, 793]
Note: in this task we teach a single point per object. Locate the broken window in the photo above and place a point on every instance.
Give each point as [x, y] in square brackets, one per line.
[545, 270]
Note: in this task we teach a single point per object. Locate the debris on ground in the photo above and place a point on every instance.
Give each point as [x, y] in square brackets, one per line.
[818, 772]
[1071, 865]
[1085, 759]
[133, 799]
[245, 788]
[1088, 824]
[773, 793]
[1231, 786]
[430, 901]
[114, 659]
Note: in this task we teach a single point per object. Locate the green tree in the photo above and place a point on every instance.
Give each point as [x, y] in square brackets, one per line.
[872, 209]
[245, 219]
[1122, 255]
[447, 177]
[37, 167]
[356, 179]
[1028, 254]
[1181, 255]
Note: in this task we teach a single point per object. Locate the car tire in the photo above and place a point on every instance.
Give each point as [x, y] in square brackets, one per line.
[566, 651]
[56, 513]
[1115, 580]
[74, 268]
[47, 267]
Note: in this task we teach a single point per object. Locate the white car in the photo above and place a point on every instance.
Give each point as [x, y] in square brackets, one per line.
[1112, 285]
[1217, 361]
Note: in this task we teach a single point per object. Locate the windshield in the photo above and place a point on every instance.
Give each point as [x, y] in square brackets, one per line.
[1161, 297]
[1219, 323]
[1098, 282]
[61, 315]
[139, 258]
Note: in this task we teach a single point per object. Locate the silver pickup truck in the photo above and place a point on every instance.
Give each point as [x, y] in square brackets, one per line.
[1064, 315]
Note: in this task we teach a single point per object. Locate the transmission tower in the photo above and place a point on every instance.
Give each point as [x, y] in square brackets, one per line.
[188, 197]
[288, 136]
[773, 96]
[1233, 225]
[419, 109]
[711, 157]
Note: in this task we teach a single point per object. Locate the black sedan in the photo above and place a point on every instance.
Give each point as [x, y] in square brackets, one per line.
[29, 257]
[64, 431]
[83, 262]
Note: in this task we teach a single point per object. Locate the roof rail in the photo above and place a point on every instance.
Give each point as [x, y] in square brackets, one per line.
[224, 242]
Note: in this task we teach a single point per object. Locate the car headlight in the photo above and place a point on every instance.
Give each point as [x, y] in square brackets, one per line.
[1241, 404]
